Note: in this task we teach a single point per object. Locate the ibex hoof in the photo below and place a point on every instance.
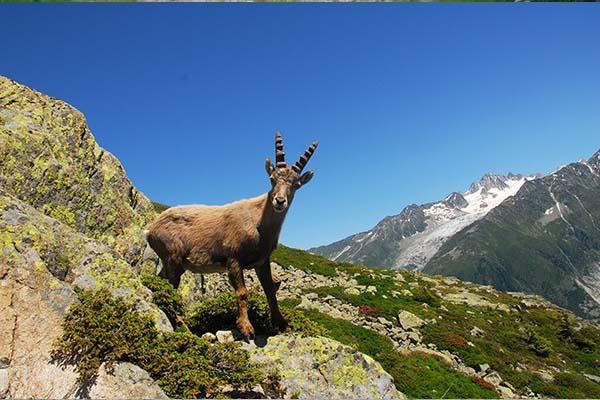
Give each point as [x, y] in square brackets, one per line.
[247, 332]
[281, 324]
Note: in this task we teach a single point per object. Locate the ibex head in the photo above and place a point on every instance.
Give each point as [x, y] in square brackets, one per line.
[285, 180]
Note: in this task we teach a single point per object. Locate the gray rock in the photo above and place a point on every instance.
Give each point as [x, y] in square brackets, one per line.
[126, 381]
[209, 337]
[225, 336]
[494, 378]
[593, 378]
[409, 320]
[317, 367]
[475, 331]
[484, 367]
[505, 392]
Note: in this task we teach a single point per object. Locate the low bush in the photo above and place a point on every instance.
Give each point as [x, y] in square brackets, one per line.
[105, 329]
[165, 296]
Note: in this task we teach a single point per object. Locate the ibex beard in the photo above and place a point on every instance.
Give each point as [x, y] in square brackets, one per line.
[232, 237]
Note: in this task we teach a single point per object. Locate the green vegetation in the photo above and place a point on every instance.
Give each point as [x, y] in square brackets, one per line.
[416, 375]
[159, 207]
[517, 344]
[220, 312]
[165, 296]
[103, 328]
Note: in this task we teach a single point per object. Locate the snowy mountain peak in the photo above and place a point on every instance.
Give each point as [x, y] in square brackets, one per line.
[493, 181]
[595, 160]
[456, 200]
[408, 240]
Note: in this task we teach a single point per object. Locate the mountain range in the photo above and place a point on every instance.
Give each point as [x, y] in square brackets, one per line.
[518, 233]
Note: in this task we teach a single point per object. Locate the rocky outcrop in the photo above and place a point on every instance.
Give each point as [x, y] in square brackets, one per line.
[317, 367]
[50, 160]
[125, 381]
[41, 261]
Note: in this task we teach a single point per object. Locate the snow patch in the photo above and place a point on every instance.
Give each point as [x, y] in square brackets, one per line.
[345, 249]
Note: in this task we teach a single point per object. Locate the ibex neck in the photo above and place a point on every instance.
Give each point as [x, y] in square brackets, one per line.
[270, 221]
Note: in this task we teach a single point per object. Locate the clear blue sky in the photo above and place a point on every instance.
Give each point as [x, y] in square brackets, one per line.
[409, 101]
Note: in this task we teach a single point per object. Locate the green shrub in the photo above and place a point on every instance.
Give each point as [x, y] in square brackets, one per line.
[538, 343]
[165, 296]
[159, 207]
[102, 328]
[425, 295]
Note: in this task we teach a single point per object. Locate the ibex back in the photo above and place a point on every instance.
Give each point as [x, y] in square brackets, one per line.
[232, 237]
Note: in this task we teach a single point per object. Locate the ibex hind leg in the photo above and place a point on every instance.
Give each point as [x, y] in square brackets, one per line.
[172, 272]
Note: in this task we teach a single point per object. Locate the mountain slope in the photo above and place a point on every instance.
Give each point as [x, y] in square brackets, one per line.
[545, 239]
[409, 240]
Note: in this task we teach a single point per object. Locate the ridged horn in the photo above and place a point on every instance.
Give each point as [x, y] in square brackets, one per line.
[279, 153]
[301, 163]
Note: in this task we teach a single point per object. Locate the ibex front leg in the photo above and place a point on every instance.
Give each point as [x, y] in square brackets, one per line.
[266, 280]
[236, 278]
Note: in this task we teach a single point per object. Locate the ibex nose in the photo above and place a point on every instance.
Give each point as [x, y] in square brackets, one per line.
[280, 200]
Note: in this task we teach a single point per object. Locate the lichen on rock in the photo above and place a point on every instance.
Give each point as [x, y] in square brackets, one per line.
[318, 367]
[50, 159]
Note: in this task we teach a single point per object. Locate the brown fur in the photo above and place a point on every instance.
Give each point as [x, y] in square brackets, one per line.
[232, 237]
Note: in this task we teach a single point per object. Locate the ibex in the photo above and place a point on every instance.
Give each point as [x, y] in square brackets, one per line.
[233, 237]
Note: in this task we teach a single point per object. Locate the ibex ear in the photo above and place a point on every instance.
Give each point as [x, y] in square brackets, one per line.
[269, 166]
[306, 177]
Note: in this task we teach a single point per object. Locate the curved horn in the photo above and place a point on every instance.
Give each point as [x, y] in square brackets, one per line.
[301, 163]
[279, 153]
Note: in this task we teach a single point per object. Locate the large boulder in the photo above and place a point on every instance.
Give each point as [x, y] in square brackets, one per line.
[125, 381]
[317, 367]
[50, 160]
[41, 260]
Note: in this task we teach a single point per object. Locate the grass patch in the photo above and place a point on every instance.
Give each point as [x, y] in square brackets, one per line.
[533, 338]
[158, 207]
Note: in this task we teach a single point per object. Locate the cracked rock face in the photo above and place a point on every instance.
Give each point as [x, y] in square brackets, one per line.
[34, 298]
[49, 159]
[317, 367]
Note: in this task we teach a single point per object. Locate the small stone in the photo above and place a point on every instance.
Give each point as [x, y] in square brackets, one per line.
[494, 378]
[593, 378]
[475, 331]
[312, 296]
[352, 291]
[484, 367]
[409, 320]
[545, 375]
[224, 336]
[506, 393]
[209, 337]
[385, 322]
[414, 337]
